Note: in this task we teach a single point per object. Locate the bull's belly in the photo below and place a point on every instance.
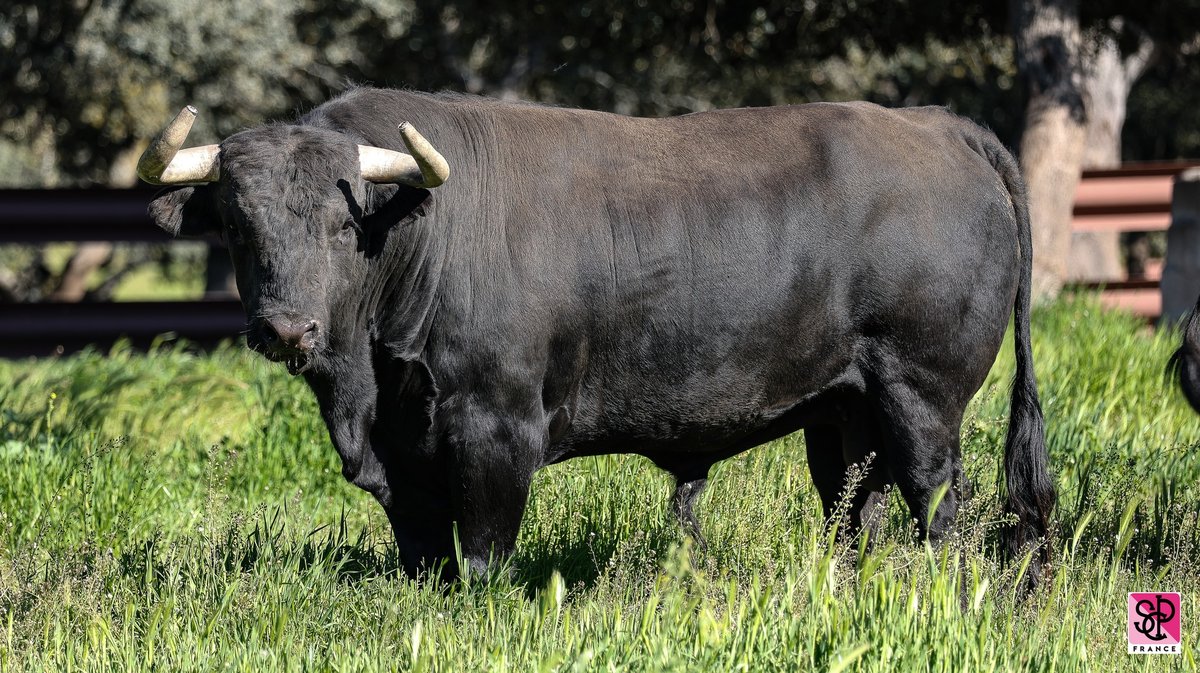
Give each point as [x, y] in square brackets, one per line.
[717, 418]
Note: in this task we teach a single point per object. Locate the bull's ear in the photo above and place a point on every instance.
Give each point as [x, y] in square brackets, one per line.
[390, 208]
[185, 212]
[389, 205]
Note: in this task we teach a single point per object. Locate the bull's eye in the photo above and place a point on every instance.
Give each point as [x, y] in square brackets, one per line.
[348, 234]
[233, 235]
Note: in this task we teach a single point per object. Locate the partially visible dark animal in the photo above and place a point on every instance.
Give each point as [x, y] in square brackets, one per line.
[587, 283]
[1185, 362]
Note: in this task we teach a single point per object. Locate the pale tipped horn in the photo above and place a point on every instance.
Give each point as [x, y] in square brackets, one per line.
[164, 163]
[424, 167]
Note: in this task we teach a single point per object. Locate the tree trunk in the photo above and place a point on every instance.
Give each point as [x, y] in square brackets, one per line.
[1047, 51]
[1108, 78]
[88, 257]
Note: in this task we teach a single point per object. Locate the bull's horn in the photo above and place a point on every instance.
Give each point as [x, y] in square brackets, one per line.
[424, 167]
[164, 163]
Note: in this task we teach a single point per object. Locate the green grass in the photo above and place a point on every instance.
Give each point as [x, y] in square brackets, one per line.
[182, 512]
[149, 283]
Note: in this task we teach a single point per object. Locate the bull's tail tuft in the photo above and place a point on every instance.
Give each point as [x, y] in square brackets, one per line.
[1030, 487]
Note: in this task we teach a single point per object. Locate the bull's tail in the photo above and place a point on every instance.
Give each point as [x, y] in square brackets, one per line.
[1185, 363]
[1030, 487]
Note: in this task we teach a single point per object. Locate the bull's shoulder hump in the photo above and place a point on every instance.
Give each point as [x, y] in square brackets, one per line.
[940, 116]
[801, 110]
[857, 118]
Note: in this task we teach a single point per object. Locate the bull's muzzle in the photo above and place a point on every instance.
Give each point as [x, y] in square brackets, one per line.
[290, 339]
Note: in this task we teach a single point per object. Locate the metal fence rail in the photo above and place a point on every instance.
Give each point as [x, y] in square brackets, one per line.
[1132, 198]
[37, 216]
[52, 329]
[54, 215]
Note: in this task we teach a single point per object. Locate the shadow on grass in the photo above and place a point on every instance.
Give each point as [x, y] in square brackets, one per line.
[238, 549]
[583, 556]
[267, 545]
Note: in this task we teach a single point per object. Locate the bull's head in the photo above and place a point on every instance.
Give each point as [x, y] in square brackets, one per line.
[291, 204]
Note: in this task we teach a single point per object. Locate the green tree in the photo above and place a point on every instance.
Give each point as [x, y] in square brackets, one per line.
[87, 82]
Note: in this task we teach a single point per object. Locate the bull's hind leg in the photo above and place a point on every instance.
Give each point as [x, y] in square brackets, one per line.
[687, 492]
[921, 442]
[828, 448]
[691, 476]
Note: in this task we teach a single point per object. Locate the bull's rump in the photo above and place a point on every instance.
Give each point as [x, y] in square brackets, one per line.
[743, 265]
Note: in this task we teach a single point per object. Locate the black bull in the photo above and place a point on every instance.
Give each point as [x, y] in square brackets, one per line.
[587, 283]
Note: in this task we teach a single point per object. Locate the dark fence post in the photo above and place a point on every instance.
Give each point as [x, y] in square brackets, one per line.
[1181, 276]
[219, 279]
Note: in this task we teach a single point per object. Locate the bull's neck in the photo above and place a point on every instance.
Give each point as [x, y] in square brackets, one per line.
[399, 295]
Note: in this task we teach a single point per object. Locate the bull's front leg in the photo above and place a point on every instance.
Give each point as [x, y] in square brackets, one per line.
[422, 521]
[346, 392]
[474, 491]
[492, 455]
[473, 484]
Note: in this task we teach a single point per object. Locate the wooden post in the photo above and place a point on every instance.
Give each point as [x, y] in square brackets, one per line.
[219, 279]
[1181, 276]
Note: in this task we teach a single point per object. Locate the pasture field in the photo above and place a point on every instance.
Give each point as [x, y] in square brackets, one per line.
[174, 511]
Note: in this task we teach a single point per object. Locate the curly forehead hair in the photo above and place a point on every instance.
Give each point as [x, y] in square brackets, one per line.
[297, 166]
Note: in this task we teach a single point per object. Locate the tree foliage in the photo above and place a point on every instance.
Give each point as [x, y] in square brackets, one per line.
[92, 79]
[101, 76]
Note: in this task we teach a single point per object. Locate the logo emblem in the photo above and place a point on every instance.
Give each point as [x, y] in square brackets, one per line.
[1154, 623]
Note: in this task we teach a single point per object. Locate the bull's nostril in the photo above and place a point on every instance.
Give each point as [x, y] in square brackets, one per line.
[311, 332]
[269, 335]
